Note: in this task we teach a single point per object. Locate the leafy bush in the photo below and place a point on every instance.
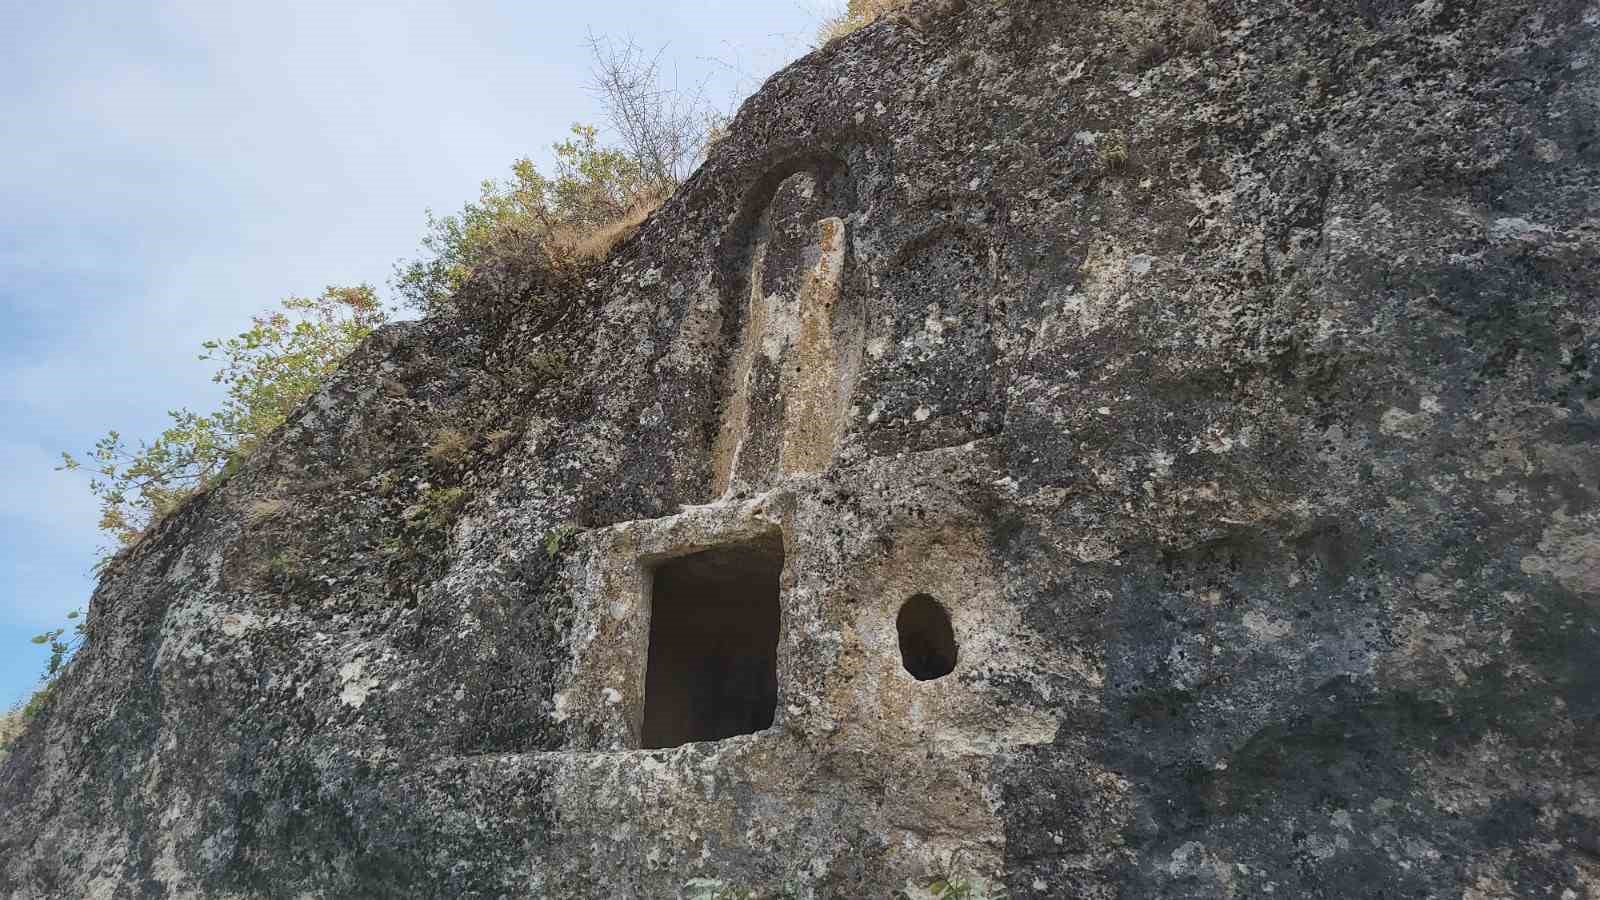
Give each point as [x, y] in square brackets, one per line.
[268, 371]
[60, 650]
[597, 195]
[593, 187]
[498, 440]
[950, 880]
[14, 720]
[546, 365]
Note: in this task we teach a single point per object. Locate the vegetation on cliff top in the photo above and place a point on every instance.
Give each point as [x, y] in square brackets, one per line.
[267, 371]
[597, 195]
[857, 15]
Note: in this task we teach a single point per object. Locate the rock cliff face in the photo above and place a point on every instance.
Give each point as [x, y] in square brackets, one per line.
[1205, 393]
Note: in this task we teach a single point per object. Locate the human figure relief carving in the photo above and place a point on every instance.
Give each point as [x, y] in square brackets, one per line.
[799, 351]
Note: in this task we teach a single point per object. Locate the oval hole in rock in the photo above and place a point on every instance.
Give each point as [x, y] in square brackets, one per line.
[927, 642]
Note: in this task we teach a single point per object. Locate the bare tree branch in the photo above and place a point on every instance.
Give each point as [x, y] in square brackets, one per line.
[662, 128]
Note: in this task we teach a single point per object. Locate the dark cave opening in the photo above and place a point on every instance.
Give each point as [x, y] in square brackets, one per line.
[712, 669]
[927, 640]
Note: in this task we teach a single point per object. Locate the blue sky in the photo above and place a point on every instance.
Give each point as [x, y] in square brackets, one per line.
[169, 168]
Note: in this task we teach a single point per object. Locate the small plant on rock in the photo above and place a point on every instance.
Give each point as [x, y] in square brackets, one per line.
[285, 568]
[960, 888]
[556, 537]
[498, 440]
[61, 650]
[389, 482]
[948, 882]
[450, 448]
[546, 365]
[1113, 152]
[858, 14]
[440, 505]
[266, 509]
[11, 723]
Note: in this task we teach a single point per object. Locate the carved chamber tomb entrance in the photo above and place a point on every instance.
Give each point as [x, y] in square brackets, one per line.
[712, 666]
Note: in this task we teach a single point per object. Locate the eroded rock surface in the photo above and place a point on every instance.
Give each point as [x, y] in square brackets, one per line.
[1226, 371]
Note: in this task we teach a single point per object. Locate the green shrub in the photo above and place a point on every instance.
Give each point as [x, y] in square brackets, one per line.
[267, 371]
[950, 881]
[597, 197]
[61, 650]
[440, 505]
[387, 483]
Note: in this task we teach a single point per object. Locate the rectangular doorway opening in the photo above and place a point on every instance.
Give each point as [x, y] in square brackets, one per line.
[712, 669]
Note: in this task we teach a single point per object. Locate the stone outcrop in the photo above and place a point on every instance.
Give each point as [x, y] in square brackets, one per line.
[1224, 372]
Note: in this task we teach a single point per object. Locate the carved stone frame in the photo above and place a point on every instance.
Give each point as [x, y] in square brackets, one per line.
[601, 699]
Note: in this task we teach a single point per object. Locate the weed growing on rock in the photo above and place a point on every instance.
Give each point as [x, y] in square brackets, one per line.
[440, 505]
[285, 568]
[547, 365]
[556, 538]
[597, 196]
[62, 646]
[61, 650]
[1113, 152]
[388, 482]
[953, 887]
[266, 509]
[11, 723]
[857, 15]
[948, 881]
[450, 448]
[1202, 35]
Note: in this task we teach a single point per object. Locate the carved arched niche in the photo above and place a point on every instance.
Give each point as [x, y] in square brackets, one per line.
[800, 328]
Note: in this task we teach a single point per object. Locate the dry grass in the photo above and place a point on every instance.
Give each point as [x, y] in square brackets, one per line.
[1113, 152]
[10, 726]
[570, 244]
[265, 509]
[499, 439]
[859, 14]
[450, 448]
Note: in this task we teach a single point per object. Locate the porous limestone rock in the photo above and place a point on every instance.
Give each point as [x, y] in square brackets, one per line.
[1226, 371]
